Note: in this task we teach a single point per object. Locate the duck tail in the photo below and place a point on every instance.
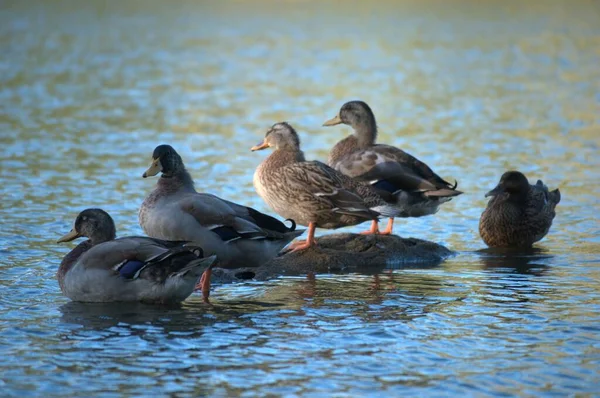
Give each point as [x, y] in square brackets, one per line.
[195, 268]
[443, 193]
[555, 196]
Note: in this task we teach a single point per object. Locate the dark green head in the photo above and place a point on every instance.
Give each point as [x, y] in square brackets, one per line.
[165, 160]
[95, 224]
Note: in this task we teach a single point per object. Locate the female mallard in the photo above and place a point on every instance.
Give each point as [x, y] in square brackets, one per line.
[105, 269]
[519, 214]
[410, 184]
[311, 193]
[240, 236]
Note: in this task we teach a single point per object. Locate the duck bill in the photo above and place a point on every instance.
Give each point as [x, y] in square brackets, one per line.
[69, 236]
[494, 192]
[333, 121]
[154, 169]
[260, 147]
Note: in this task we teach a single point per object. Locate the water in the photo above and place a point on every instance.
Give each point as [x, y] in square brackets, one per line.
[89, 89]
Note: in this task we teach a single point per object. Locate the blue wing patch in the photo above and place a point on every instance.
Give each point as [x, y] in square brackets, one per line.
[130, 269]
[385, 186]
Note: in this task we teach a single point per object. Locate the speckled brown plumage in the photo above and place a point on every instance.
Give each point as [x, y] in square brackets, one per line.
[311, 191]
[518, 214]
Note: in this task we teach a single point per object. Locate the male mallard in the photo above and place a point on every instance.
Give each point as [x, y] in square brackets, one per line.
[311, 193]
[105, 269]
[518, 214]
[240, 236]
[410, 184]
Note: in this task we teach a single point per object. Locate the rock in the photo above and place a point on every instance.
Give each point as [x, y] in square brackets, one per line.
[344, 253]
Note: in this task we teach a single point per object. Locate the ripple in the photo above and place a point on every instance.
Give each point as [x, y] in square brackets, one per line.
[89, 90]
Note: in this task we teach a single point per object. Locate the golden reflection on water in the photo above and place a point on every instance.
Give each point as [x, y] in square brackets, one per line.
[473, 88]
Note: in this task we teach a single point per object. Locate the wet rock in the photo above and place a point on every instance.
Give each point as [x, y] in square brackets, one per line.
[339, 253]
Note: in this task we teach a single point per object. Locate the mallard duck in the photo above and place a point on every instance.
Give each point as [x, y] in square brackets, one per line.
[410, 184]
[518, 214]
[106, 269]
[311, 193]
[240, 236]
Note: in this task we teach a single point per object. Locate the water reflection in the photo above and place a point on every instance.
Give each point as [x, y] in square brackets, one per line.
[88, 89]
[532, 260]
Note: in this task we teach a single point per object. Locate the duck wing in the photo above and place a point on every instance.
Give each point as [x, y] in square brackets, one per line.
[391, 169]
[134, 257]
[232, 221]
[342, 194]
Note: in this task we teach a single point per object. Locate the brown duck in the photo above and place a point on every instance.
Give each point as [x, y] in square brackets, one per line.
[310, 192]
[403, 180]
[519, 214]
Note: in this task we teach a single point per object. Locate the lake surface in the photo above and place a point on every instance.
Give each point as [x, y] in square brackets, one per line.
[88, 89]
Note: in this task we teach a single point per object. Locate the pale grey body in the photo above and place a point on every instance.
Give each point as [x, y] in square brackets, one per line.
[175, 211]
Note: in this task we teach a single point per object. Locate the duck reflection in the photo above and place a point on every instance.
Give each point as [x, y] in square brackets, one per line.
[522, 261]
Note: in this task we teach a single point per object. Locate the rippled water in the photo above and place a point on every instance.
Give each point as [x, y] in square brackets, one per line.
[88, 89]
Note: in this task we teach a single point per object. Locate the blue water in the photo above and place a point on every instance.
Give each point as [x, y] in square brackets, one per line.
[89, 89]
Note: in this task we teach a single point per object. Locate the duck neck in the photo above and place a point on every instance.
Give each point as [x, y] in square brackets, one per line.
[178, 181]
[518, 197]
[70, 259]
[283, 157]
[365, 132]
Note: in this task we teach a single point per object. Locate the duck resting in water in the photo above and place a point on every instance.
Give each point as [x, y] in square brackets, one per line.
[400, 178]
[132, 268]
[518, 214]
[310, 192]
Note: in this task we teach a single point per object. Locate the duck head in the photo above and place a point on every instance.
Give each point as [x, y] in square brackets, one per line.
[353, 113]
[95, 224]
[280, 136]
[165, 160]
[513, 184]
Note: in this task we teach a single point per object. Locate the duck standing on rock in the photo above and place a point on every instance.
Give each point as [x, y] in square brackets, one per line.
[134, 268]
[310, 192]
[402, 180]
[240, 236]
[518, 214]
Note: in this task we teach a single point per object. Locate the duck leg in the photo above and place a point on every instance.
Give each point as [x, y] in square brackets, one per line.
[374, 229]
[204, 285]
[389, 228]
[305, 244]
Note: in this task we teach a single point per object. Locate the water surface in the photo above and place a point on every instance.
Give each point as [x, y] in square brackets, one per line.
[89, 89]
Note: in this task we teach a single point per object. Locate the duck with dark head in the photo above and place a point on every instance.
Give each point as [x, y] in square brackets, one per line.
[518, 214]
[401, 179]
[104, 268]
[240, 236]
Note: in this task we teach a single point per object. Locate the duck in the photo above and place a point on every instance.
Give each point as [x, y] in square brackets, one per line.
[104, 268]
[518, 214]
[310, 192]
[408, 183]
[238, 235]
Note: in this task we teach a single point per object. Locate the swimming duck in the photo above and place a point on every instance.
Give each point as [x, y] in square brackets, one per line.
[240, 236]
[518, 214]
[410, 184]
[310, 192]
[106, 269]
